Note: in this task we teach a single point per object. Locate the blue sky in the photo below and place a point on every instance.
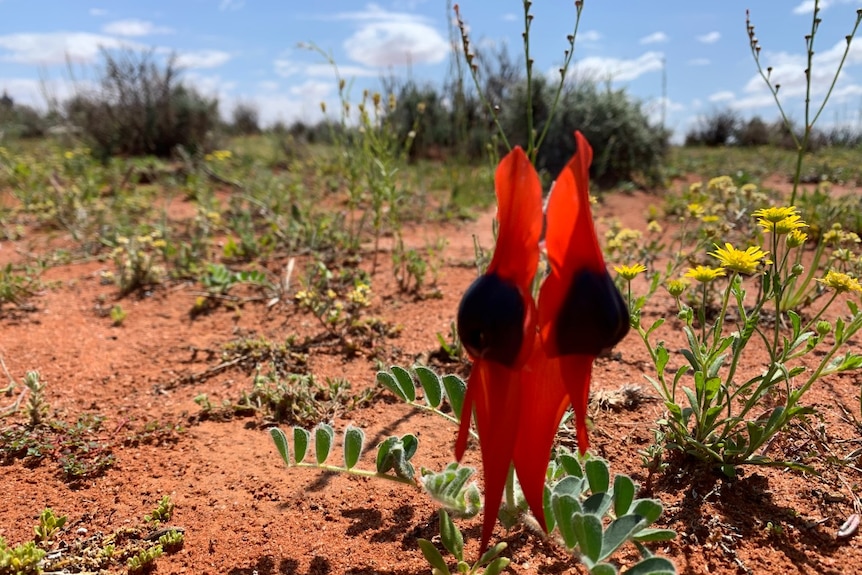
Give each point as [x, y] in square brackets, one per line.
[247, 50]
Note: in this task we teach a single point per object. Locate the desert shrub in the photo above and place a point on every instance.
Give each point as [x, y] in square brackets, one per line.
[141, 107]
[752, 132]
[19, 121]
[245, 119]
[626, 146]
[717, 128]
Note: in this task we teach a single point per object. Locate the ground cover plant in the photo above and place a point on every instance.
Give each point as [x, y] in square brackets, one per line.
[176, 331]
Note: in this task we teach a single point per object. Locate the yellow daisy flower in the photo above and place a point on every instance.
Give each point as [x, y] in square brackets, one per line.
[704, 274]
[630, 272]
[676, 287]
[744, 262]
[774, 214]
[840, 282]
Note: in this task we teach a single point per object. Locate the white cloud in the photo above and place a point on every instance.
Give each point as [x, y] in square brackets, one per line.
[589, 36]
[722, 96]
[230, 5]
[807, 6]
[287, 68]
[710, 38]
[655, 38]
[620, 70]
[387, 38]
[509, 17]
[202, 59]
[98, 12]
[133, 27]
[209, 85]
[56, 47]
[699, 62]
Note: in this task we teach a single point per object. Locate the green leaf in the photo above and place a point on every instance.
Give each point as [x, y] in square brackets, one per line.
[323, 438]
[450, 488]
[301, 439]
[492, 553]
[565, 507]
[624, 494]
[354, 440]
[405, 382]
[652, 566]
[618, 532]
[496, 566]
[455, 390]
[598, 475]
[603, 569]
[451, 536]
[280, 440]
[598, 503]
[571, 464]
[588, 531]
[648, 535]
[649, 509]
[570, 485]
[431, 385]
[388, 381]
[384, 461]
[434, 558]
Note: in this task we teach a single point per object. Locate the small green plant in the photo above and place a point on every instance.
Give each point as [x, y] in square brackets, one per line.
[162, 513]
[37, 408]
[136, 261]
[720, 411]
[144, 561]
[49, 526]
[23, 559]
[118, 315]
[172, 541]
[490, 563]
[15, 287]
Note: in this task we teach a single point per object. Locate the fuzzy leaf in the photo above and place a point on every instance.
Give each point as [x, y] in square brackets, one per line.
[648, 535]
[649, 509]
[405, 382]
[354, 440]
[280, 440]
[598, 475]
[624, 494]
[652, 566]
[618, 532]
[588, 531]
[300, 443]
[455, 390]
[603, 569]
[451, 536]
[496, 566]
[388, 381]
[565, 507]
[431, 385]
[323, 438]
[433, 556]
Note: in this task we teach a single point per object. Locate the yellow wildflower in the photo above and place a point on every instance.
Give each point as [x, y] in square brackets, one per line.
[744, 262]
[704, 274]
[69, 154]
[788, 224]
[796, 238]
[630, 272]
[676, 287]
[774, 214]
[840, 282]
[695, 188]
[710, 219]
[654, 227]
[695, 210]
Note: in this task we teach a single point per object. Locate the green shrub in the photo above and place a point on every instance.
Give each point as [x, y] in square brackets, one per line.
[142, 108]
[626, 146]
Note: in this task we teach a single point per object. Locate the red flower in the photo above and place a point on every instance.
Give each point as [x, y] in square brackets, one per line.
[530, 362]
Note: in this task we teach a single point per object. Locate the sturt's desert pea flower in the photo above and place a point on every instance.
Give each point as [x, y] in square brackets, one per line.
[530, 362]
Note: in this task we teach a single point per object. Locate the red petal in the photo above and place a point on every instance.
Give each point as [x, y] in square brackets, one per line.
[575, 371]
[570, 238]
[543, 403]
[519, 213]
[497, 397]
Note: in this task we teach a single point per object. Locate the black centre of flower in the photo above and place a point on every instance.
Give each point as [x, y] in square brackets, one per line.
[593, 316]
[491, 320]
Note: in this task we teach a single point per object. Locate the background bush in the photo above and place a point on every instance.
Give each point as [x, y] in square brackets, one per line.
[141, 107]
